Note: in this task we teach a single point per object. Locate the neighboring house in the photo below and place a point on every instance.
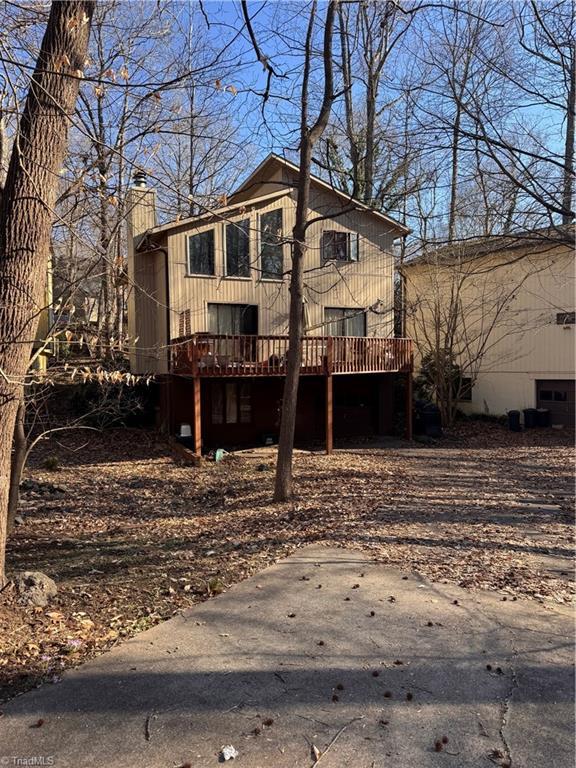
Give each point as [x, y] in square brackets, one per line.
[208, 310]
[504, 309]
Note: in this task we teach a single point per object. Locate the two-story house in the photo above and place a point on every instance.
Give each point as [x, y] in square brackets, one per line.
[208, 311]
[505, 307]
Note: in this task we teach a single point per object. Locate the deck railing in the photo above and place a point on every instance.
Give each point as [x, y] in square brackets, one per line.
[240, 355]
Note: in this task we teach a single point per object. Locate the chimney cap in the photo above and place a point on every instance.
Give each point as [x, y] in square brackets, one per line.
[139, 179]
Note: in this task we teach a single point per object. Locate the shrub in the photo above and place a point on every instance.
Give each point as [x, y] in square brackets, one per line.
[51, 463]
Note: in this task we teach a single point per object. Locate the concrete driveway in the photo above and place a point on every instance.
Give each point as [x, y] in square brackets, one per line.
[323, 655]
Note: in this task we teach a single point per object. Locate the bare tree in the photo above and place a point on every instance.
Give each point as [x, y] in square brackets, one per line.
[27, 208]
[104, 398]
[546, 33]
[536, 70]
[463, 311]
[309, 136]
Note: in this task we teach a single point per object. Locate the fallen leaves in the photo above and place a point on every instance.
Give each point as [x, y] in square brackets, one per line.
[134, 537]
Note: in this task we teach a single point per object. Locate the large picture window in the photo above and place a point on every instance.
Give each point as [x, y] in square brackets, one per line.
[339, 246]
[233, 319]
[238, 248]
[271, 247]
[344, 322]
[201, 253]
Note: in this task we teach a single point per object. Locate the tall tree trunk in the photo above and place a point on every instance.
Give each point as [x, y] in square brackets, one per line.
[27, 208]
[568, 187]
[308, 138]
[454, 175]
[370, 129]
[357, 182]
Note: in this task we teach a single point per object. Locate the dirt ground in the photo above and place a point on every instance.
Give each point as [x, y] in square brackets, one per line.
[132, 536]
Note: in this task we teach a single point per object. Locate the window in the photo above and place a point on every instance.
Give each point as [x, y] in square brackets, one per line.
[558, 396]
[344, 322]
[339, 246]
[238, 249]
[231, 402]
[201, 253]
[271, 247]
[232, 319]
[565, 318]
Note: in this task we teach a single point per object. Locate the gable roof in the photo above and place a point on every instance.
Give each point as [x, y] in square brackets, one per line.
[475, 248]
[266, 167]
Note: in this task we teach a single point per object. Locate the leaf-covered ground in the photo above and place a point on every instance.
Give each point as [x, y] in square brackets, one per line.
[131, 535]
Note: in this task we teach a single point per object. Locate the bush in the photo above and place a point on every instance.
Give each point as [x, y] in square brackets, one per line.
[51, 463]
[108, 404]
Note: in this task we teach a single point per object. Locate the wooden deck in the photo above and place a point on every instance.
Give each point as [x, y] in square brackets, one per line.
[216, 355]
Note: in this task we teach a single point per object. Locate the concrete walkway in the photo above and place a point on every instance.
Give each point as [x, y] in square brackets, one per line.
[370, 666]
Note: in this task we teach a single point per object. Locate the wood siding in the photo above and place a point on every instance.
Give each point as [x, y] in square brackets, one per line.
[147, 295]
[353, 285]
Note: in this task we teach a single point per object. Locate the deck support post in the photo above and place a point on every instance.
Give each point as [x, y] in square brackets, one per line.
[329, 416]
[197, 417]
[408, 406]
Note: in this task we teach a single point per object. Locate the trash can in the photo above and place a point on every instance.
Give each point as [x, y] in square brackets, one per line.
[543, 417]
[530, 416]
[514, 421]
[432, 420]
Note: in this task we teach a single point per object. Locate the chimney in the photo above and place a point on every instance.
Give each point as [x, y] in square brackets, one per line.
[140, 217]
[140, 206]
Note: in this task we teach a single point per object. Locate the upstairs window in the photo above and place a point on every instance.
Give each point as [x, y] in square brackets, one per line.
[565, 318]
[238, 248]
[271, 247]
[339, 246]
[201, 253]
[344, 322]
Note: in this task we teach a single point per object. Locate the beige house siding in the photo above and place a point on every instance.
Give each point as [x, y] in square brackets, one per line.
[147, 310]
[158, 311]
[525, 343]
[274, 180]
[349, 285]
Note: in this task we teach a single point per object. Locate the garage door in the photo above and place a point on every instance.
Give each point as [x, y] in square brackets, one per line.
[558, 397]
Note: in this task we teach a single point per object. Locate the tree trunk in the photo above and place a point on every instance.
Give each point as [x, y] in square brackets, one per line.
[454, 175]
[308, 138]
[283, 486]
[568, 188]
[18, 461]
[370, 128]
[27, 209]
